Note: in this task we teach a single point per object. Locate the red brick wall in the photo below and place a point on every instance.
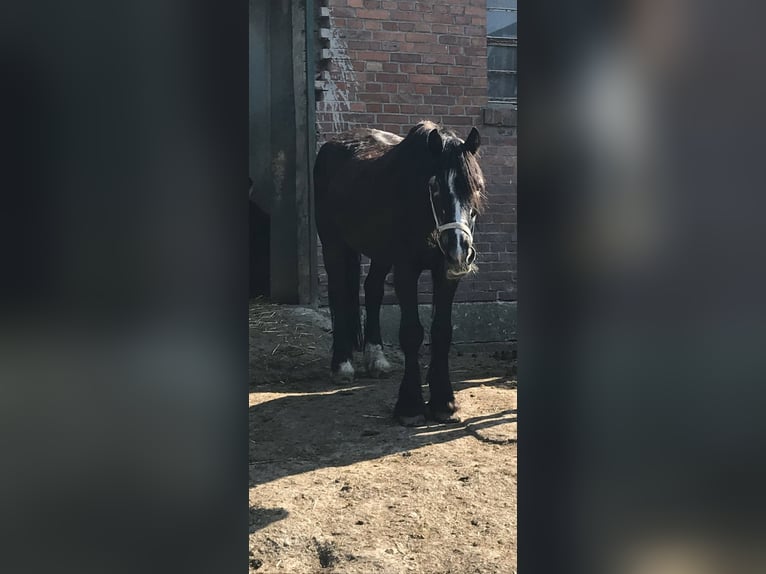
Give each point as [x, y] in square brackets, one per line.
[394, 63]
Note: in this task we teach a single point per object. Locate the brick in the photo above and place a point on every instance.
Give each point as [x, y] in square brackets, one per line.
[475, 50]
[391, 118]
[409, 16]
[406, 97]
[373, 97]
[419, 37]
[464, 121]
[424, 79]
[441, 18]
[384, 35]
[393, 78]
[360, 45]
[360, 35]
[402, 57]
[342, 12]
[443, 100]
[366, 14]
[374, 56]
[456, 80]
[472, 30]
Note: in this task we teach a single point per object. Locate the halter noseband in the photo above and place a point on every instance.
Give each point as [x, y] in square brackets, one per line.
[452, 225]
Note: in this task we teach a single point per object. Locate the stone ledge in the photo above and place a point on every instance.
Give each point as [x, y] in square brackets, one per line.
[501, 115]
[472, 323]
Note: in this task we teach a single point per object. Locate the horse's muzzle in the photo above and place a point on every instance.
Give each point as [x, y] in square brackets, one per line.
[458, 248]
[457, 269]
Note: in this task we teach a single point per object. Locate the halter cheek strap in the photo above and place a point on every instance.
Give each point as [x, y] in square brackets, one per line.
[452, 225]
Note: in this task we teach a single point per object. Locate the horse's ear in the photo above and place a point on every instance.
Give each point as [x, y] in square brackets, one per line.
[435, 143]
[473, 141]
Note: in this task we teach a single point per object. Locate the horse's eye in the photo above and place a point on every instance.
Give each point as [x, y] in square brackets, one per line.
[474, 213]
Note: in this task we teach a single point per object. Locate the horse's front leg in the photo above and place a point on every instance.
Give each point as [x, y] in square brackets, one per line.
[410, 408]
[441, 406]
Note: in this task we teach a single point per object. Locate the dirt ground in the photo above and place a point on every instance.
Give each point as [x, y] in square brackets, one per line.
[337, 486]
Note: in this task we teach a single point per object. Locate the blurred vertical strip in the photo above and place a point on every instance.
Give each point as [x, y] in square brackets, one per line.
[123, 245]
[641, 296]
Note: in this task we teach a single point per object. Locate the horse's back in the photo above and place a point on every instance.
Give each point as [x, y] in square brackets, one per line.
[351, 152]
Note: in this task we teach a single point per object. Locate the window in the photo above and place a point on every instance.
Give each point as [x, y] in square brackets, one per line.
[501, 50]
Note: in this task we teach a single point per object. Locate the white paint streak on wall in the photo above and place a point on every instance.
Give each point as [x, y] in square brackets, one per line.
[338, 96]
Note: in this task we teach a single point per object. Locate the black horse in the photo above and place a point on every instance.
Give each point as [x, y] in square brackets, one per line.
[411, 204]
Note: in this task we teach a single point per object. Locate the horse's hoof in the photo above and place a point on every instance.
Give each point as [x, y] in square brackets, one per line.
[375, 361]
[414, 421]
[443, 415]
[344, 374]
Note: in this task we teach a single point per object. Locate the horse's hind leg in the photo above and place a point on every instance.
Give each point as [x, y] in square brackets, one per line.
[342, 266]
[374, 359]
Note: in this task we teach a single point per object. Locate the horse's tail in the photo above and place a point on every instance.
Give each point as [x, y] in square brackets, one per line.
[353, 274]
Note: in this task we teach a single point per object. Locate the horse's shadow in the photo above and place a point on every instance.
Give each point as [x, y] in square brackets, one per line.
[312, 428]
[262, 517]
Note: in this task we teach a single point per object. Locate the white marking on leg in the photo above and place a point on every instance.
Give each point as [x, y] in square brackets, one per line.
[375, 360]
[346, 369]
[345, 373]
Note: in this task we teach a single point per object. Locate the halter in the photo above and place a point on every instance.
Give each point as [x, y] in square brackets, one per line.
[452, 225]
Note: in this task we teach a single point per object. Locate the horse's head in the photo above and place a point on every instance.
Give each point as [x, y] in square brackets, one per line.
[456, 192]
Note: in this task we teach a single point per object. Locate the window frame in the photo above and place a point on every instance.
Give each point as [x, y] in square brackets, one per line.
[508, 42]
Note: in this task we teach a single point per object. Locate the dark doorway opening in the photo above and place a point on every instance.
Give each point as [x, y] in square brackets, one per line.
[260, 250]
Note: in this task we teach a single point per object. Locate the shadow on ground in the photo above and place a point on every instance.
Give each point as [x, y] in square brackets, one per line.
[262, 517]
[307, 426]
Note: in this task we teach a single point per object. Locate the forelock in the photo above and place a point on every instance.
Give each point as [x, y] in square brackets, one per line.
[463, 166]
